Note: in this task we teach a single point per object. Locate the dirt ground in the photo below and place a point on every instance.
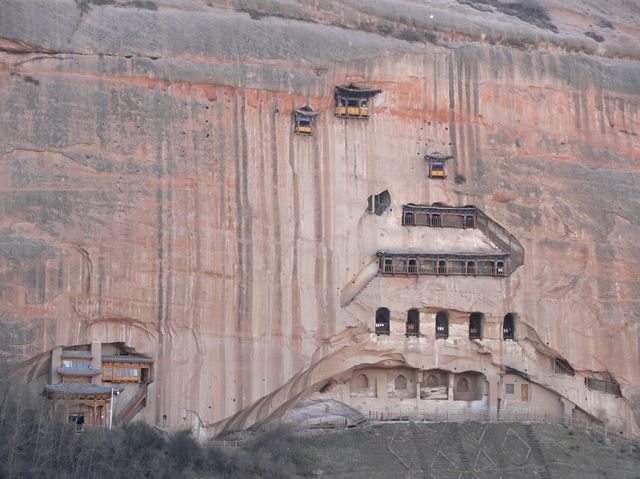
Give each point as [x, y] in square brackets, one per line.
[471, 450]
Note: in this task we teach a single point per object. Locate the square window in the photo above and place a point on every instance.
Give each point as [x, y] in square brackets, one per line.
[509, 388]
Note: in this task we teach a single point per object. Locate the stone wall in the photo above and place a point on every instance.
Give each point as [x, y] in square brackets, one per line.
[152, 191]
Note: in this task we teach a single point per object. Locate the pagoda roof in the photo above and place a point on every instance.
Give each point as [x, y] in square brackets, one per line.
[437, 156]
[79, 389]
[355, 92]
[74, 353]
[306, 111]
[75, 371]
[126, 358]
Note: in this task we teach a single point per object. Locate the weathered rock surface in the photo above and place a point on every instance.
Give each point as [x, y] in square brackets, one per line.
[152, 191]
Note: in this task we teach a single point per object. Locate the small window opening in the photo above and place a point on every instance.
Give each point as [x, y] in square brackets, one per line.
[361, 382]
[442, 267]
[471, 267]
[508, 327]
[364, 104]
[500, 268]
[379, 203]
[382, 322]
[388, 265]
[409, 218]
[436, 220]
[562, 366]
[509, 388]
[342, 101]
[475, 326]
[463, 386]
[469, 221]
[436, 170]
[413, 323]
[442, 325]
[413, 266]
[400, 383]
[432, 381]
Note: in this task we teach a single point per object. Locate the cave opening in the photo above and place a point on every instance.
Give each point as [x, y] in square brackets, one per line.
[442, 325]
[382, 322]
[379, 203]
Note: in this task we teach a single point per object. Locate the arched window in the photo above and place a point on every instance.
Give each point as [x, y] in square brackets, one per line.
[382, 321]
[361, 382]
[475, 326]
[435, 220]
[462, 386]
[409, 218]
[509, 327]
[469, 222]
[400, 383]
[432, 381]
[442, 325]
[413, 322]
[413, 266]
[471, 267]
[442, 267]
[388, 265]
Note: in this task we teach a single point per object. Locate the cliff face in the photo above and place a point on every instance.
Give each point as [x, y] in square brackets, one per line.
[153, 193]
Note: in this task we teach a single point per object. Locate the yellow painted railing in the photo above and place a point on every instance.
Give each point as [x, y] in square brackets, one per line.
[351, 111]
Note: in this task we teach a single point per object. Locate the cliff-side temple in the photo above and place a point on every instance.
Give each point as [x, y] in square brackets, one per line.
[215, 214]
[99, 384]
[354, 102]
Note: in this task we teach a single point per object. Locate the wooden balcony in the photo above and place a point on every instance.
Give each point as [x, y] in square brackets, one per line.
[607, 387]
[351, 112]
[466, 217]
[407, 264]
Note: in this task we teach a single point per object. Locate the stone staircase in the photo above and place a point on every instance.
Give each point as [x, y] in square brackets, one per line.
[536, 452]
[132, 407]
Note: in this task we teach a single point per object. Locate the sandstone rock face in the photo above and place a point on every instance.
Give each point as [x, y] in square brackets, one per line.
[153, 193]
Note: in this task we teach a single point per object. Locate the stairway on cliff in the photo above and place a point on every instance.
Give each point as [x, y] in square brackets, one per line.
[133, 406]
[536, 451]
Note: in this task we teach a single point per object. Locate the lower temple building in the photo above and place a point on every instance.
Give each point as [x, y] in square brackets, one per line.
[99, 384]
[455, 365]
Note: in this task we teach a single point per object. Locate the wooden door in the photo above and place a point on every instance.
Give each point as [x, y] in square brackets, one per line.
[524, 392]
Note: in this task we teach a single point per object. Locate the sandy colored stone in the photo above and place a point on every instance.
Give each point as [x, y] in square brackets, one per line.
[152, 191]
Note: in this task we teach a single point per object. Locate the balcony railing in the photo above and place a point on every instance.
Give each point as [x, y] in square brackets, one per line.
[560, 366]
[351, 111]
[444, 264]
[607, 387]
[466, 217]
[439, 216]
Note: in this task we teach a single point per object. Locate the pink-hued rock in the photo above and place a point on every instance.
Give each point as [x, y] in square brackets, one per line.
[152, 191]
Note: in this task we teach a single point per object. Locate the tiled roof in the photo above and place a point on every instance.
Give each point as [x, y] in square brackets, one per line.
[72, 353]
[78, 389]
[78, 371]
[126, 358]
[438, 156]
